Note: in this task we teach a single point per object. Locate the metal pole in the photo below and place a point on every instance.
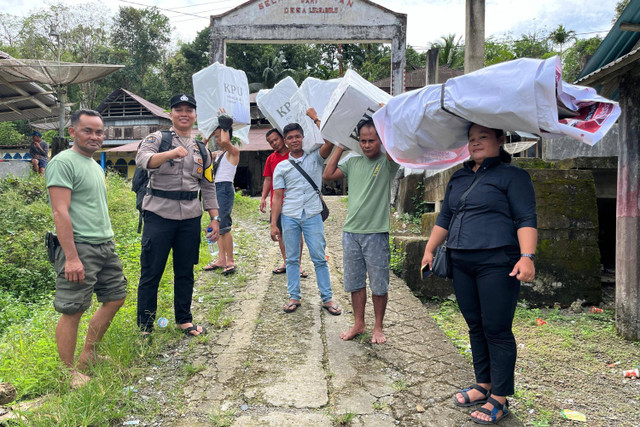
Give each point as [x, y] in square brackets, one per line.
[61, 97]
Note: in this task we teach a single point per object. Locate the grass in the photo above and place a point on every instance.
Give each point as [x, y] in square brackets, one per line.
[28, 352]
[344, 419]
[222, 419]
[563, 360]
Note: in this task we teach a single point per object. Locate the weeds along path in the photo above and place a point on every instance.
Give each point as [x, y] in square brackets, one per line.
[266, 367]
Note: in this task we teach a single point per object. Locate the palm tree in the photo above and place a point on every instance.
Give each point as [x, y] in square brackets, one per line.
[562, 36]
[451, 51]
[273, 71]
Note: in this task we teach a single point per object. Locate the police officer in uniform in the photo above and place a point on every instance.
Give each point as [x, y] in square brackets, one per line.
[172, 215]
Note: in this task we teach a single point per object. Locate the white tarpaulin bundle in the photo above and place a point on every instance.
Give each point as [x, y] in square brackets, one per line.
[219, 86]
[354, 99]
[313, 93]
[427, 128]
[275, 105]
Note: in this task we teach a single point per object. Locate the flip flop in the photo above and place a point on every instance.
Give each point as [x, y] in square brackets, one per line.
[304, 274]
[279, 270]
[229, 270]
[187, 331]
[291, 307]
[334, 310]
[212, 267]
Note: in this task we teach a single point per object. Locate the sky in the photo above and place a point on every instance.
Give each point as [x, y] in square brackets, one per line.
[428, 20]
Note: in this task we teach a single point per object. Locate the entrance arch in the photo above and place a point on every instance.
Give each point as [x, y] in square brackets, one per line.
[313, 21]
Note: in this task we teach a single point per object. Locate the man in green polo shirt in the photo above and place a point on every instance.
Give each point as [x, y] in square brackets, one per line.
[365, 234]
[85, 260]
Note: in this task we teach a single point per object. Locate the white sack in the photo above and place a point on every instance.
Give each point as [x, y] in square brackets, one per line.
[354, 99]
[275, 105]
[313, 93]
[219, 86]
[427, 128]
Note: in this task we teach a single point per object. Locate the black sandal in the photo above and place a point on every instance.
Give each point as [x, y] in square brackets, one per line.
[467, 401]
[497, 406]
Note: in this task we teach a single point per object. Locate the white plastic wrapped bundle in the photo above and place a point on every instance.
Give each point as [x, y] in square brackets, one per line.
[219, 86]
[427, 128]
[275, 105]
[354, 99]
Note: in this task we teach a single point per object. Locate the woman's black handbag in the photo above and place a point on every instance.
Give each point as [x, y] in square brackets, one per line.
[441, 266]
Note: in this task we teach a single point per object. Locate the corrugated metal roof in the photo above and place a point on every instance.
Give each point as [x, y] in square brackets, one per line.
[617, 43]
[150, 106]
[24, 100]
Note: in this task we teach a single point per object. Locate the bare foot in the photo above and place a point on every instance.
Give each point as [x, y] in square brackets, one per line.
[378, 337]
[78, 380]
[352, 333]
[195, 332]
[94, 359]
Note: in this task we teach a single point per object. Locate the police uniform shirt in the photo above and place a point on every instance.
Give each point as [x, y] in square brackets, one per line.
[180, 175]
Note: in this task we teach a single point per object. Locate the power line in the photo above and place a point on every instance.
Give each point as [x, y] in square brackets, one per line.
[160, 8]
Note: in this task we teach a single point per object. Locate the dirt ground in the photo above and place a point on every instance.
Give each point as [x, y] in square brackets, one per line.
[265, 367]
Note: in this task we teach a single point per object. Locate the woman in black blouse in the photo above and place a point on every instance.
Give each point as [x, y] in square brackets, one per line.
[491, 242]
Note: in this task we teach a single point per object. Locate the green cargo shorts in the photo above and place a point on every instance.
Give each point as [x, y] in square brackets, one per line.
[102, 274]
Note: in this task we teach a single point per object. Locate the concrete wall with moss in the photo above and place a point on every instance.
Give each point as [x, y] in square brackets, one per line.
[568, 256]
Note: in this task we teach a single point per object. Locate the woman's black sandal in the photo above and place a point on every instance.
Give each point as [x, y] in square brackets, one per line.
[497, 406]
[467, 401]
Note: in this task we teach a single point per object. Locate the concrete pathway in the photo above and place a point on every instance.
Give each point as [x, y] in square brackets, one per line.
[270, 368]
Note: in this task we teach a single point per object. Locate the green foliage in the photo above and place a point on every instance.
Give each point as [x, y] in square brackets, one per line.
[397, 257]
[10, 137]
[562, 36]
[620, 7]
[575, 57]
[420, 206]
[451, 51]
[496, 52]
[534, 44]
[25, 271]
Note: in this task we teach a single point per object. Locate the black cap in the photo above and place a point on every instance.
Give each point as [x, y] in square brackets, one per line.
[182, 98]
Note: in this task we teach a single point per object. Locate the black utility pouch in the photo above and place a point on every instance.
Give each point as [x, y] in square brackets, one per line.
[50, 242]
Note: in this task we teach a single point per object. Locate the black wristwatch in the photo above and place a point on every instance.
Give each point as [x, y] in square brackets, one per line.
[532, 257]
[215, 218]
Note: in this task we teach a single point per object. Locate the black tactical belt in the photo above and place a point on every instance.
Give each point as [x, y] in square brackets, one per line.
[173, 195]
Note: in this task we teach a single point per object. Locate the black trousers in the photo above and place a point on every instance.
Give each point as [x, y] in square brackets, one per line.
[159, 236]
[487, 298]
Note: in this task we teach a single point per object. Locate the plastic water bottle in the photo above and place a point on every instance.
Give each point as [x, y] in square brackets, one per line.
[213, 246]
[163, 322]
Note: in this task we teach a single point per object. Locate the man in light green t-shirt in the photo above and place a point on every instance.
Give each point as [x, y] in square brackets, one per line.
[85, 260]
[365, 234]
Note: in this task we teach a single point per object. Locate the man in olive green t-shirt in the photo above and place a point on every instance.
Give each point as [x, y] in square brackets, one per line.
[85, 260]
[365, 234]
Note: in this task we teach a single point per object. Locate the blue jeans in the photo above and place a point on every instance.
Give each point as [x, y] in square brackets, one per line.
[313, 231]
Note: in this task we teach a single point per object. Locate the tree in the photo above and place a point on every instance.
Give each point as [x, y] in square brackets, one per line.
[562, 36]
[620, 7]
[140, 38]
[576, 57]
[532, 45]
[451, 51]
[496, 52]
